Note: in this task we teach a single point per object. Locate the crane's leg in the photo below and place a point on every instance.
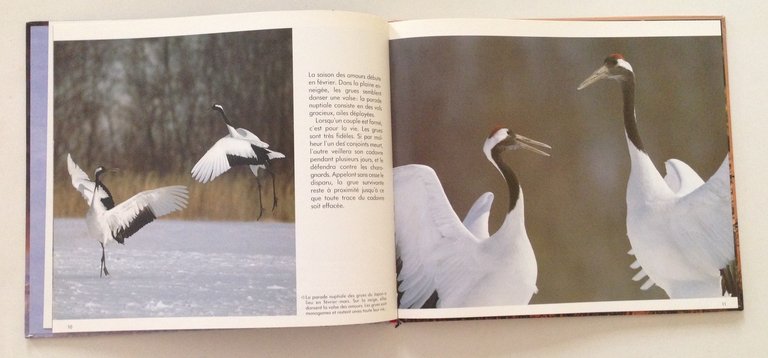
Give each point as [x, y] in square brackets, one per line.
[261, 207]
[103, 268]
[274, 190]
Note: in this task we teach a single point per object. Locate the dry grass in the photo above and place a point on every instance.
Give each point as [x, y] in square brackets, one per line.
[232, 196]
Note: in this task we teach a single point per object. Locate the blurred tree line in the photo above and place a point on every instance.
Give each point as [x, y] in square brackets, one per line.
[143, 105]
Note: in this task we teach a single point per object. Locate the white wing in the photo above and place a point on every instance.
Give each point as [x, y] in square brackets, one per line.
[681, 178]
[274, 155]
[251, 138]
[215, 161]
[477, 217]
[434, 246]
[131, 215]
[81, 182]
[705, 230]
[640, 274]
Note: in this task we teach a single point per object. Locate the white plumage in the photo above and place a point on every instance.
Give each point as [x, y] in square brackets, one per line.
[239, 147]
[679, 226]
[109, 222]
[476, 220]
[459, 261]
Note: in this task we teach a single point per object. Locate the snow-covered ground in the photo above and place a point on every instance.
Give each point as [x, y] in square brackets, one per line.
[176, 268]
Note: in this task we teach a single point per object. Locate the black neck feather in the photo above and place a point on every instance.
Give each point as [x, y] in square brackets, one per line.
[224, 115]
[107, 201]
[513, 186]
[630, 122]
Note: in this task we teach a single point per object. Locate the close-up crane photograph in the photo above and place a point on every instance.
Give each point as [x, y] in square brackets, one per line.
[607, 216]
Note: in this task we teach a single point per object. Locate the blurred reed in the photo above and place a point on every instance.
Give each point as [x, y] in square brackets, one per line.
[233, 196]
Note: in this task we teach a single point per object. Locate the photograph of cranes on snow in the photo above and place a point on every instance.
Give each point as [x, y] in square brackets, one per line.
[523, 103]
[134, 115]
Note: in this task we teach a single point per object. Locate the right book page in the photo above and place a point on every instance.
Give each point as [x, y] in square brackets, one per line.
[616, 131]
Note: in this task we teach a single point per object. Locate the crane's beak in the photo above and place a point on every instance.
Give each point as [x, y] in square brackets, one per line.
[598, 75]
[532, 145]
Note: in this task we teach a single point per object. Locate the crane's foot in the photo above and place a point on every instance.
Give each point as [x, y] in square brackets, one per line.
[103, 268]
[103, 271]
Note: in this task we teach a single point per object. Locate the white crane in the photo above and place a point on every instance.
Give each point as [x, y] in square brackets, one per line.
[680, 227]
[239, 147]
[108, 222]
[462, 264]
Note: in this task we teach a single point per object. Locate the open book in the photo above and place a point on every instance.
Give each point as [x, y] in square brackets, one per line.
[325, 168]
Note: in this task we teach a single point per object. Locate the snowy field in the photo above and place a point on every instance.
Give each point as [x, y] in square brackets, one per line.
[176, 268]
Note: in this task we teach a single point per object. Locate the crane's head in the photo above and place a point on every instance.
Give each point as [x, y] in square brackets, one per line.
[614, 67]
[501, 140]
[217, 107]
[100, 170]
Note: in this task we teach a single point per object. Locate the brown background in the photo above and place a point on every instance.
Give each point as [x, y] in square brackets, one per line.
[449, 92]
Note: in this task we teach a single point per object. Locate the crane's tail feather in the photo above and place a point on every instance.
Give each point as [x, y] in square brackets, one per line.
[640, 274]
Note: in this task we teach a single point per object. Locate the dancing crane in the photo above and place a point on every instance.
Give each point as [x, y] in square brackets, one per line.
[239, 147]
[680, 227]
[108, 222]
[462, 264]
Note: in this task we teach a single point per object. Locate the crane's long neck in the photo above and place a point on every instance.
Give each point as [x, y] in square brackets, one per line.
[513, 186]
[644, 180]
[230, 127]
[512, 230]
[107, 201]
[630, 122]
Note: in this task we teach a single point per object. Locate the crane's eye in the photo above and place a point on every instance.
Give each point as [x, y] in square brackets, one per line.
[610, 61]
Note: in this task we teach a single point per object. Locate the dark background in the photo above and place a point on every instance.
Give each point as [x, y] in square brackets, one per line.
[449, 92]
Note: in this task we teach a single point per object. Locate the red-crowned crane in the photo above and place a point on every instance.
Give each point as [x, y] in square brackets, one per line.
[680, 227]
[108, 222]
[459, 261]
[239, 147]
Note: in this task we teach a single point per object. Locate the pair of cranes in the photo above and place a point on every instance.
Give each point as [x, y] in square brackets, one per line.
[108, 222]
[679, 226]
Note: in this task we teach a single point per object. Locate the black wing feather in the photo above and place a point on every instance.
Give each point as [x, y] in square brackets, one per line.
[261, 158]
[144, 217]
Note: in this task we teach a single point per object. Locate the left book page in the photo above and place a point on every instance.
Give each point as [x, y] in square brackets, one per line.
[213, 149]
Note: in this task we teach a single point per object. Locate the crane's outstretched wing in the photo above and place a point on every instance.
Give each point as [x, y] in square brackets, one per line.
[252, 138]
[706, 231]
[435, 248]
[128, 217]
[477, 217]
[228, 152]
[81, 182]
[681, 178]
